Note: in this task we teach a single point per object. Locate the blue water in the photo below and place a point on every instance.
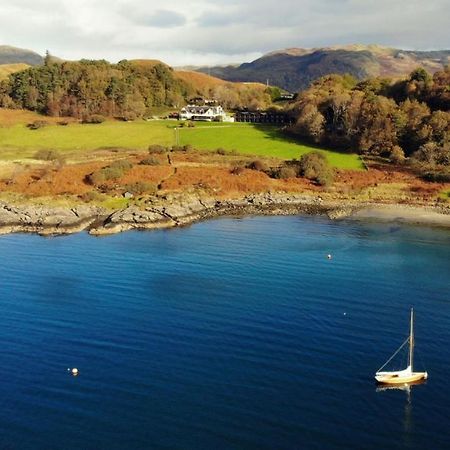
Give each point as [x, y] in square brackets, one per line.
[229, 334]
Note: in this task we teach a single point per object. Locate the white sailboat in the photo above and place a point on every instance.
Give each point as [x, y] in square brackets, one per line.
[402, 376]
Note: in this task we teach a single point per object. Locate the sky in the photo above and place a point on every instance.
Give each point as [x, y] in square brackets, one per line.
[210, 32]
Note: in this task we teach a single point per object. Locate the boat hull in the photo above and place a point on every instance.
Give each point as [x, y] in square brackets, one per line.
[401, 379]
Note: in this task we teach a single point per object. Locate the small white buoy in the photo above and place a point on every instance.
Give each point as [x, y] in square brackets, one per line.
[73, 371]
[329, 256]
[345, 314]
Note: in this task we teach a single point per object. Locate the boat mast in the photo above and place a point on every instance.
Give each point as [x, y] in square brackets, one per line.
[411, 341]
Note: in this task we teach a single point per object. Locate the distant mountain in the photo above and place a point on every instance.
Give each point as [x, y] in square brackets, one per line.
[13, 55]
[295, 68]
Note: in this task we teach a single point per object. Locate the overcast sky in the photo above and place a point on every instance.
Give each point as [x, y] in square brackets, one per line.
[206, 32]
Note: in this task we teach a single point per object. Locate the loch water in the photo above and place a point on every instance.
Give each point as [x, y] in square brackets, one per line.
[228, 334]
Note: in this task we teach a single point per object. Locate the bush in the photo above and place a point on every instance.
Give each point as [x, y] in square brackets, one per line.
[314, 166]
[47, 155]
[156, 149]
[141, 187]
[188, 148]
[112, 172]
[96, 178]
[285, 172]
[190, 124]
[221, 151]
[150, 162]
[258, 165]
[177, 148]
[94, 118]
[437, 176]
[91, 196]
[63, 123]
[433, 154]
[37, 124]
[122, 164]
[325, 178]
[397, 155]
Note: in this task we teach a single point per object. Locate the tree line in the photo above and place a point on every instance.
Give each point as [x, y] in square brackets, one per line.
[401, 120]
[125, 90]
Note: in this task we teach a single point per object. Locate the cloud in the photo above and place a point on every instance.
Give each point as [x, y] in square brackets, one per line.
[159, 19]
[205, 32]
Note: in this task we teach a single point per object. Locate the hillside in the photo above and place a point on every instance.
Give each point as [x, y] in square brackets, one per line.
[230, 95]
[205, 83]
[7, 69]
[294, 69]
[198, 80]
[14, 55]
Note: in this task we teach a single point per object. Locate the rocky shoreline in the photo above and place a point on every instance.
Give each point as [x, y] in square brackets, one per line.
[183, 209]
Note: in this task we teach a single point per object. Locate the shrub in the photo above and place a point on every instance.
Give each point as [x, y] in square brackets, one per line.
[221, 151]
[433, 154]
[325, 178]
[63, 123]
[96, 178]
[285, 172]
[190, 124]
[37, 124]
[258, 165]
[141, 187]
[314, 166]
[397, 155]
[47, 155]
[188, 148]
[156, 149]
[94, 118]
[437, 176]
[177, 148]
[122, 164]
[150, 162]
[91, 196]
[112, 173]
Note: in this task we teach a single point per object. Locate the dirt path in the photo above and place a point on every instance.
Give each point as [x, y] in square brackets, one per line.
[174, 171]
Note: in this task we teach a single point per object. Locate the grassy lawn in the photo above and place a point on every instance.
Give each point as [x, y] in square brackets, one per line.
[261, 140]
[18, 142]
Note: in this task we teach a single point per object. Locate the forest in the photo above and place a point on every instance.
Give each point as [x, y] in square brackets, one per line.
[403, 121]
[81, 89]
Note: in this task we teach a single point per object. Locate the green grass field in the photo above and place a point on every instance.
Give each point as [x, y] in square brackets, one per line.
[260, 140]
[18, 142]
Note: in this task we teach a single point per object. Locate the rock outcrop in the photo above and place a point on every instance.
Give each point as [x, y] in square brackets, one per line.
[173, 210]
[47, 220]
